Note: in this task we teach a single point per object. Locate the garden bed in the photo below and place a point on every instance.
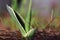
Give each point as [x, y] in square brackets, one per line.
[4, 35]
[39, 35]
[45, 35]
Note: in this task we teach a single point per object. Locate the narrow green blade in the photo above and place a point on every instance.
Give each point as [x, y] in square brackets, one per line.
[28, 18]
[10, 10]
[30, 32]
[21, 20]
[14, 4]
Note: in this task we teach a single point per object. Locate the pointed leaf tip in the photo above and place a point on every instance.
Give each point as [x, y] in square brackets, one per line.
[11, 11]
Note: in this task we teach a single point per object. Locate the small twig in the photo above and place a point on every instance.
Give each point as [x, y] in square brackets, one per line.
[51, 18]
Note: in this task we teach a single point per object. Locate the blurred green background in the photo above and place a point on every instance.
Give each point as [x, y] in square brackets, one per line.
[21, 6]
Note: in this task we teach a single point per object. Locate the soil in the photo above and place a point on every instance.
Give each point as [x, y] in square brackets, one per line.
[4, 35]
[39, 35]
[46, 35]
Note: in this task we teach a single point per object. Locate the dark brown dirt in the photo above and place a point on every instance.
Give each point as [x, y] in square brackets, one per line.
[39, 35]
[10, 35]
[44, 35]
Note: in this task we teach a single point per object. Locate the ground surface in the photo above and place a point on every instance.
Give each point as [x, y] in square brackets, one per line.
[45, 35]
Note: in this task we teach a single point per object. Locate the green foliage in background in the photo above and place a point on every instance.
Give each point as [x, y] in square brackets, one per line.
[14, 4]
[22, 11]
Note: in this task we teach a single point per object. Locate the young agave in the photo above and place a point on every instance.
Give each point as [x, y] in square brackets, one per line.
[24, 26]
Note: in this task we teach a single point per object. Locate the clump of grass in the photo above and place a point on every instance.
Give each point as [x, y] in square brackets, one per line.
[24, 25]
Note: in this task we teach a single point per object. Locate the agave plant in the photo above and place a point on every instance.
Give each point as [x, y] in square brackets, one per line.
[24, 25]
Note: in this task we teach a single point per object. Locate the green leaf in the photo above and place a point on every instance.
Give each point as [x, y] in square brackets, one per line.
[14, 4]
[30, 33]
[28, 18]
[20, 18]
[10, 10]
